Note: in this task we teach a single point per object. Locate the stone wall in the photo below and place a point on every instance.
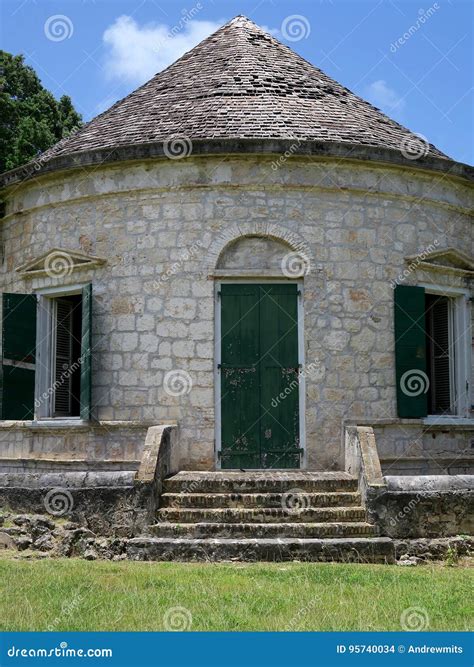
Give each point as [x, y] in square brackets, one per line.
[163, 226]
[424, 506]
[24, 446]
[408, 448]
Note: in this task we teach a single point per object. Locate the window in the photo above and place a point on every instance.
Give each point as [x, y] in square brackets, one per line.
[46, 354]
[440, 350]
[432, 334]
[65, 360]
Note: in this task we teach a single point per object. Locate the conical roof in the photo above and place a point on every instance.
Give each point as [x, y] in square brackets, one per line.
[238, 84]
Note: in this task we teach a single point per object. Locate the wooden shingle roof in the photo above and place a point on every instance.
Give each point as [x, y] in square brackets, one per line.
[240, 83]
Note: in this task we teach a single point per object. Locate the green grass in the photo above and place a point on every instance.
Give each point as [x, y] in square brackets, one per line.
[80, 595]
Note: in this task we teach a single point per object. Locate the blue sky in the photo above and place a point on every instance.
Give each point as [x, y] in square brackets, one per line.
[412, 59]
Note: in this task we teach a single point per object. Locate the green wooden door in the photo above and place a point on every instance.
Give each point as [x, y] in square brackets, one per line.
[259, 376]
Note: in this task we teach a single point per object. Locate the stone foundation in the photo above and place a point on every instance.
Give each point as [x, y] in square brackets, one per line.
[426, 507]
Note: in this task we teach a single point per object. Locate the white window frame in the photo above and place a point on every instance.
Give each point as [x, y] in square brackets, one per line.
[460, 331]
[218, 358]
[43, 405]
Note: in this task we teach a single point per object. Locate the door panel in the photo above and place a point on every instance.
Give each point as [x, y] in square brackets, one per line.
[239, 376]
[259, 376]
[279, 433]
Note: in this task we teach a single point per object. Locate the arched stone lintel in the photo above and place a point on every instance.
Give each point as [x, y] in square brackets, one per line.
[237, 231]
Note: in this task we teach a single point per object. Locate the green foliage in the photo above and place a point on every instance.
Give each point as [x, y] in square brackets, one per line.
[32, 120]
[452, 556]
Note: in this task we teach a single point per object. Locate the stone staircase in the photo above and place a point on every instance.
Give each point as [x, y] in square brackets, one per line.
[268, 516]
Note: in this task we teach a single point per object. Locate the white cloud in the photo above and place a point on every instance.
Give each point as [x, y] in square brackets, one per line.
[380, 94]
[135, 53]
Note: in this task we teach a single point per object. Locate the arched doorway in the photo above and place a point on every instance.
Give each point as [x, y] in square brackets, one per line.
[259, 352]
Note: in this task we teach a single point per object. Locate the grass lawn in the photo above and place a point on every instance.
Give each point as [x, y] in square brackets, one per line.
[101, 595]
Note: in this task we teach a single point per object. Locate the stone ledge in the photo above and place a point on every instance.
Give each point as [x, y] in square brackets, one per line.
[208, 147]
[354, 550]
[79, 425]
[66, 479]
[455, 425]
[431, 483]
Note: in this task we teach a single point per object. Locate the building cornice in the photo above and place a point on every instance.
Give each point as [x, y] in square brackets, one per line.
[280, 148]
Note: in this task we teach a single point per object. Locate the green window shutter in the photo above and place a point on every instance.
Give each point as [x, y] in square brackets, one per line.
[86, 357]
[410, 352]
[18, 356]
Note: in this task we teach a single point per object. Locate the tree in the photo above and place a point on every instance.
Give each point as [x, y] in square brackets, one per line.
[31, 119]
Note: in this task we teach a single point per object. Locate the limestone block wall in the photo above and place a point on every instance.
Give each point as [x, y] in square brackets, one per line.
[106, 446]
[163, 225]
[408, 448]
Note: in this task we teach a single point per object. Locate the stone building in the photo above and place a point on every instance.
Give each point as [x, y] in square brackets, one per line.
[246, 252]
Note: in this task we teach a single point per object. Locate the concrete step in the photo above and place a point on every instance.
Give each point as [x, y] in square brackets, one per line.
[269, 481]
[277, 500]
[263, 530]
[360, 550]
[260, 515]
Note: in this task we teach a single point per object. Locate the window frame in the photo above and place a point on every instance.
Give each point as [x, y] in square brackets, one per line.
[461, 369]
[43, 409]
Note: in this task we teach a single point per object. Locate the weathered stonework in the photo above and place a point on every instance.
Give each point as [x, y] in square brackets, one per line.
[166, 226]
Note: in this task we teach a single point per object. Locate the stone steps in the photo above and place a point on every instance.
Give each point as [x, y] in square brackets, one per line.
[360, 550]
[260, 515]
[269, 500]
[259, 482]
[263, 530]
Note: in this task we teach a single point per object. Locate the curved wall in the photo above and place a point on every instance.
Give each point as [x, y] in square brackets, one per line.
[162, 225]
